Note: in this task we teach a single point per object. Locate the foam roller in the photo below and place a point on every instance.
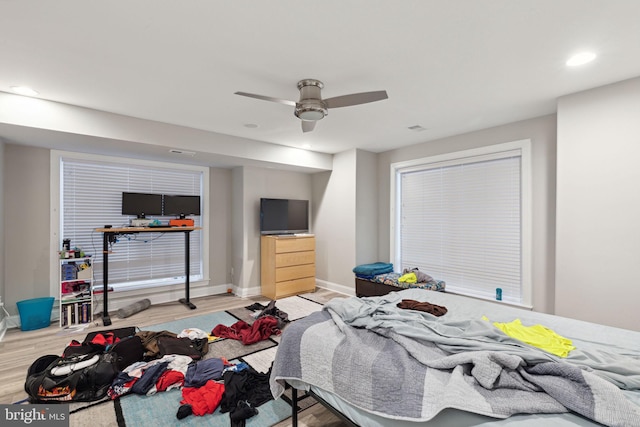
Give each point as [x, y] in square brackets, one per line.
[134, 308]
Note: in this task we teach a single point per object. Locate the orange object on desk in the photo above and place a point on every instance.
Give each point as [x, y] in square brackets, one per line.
[181, 222]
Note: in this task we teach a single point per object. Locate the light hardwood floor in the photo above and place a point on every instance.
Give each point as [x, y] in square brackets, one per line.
[19, 349]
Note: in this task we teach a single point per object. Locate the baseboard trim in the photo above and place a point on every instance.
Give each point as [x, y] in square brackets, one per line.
[117, 300]
[335, 287]
[171, 293]
[3, 328]
[161, 295]
[256, 291]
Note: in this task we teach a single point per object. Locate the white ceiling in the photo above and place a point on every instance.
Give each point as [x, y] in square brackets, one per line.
[450, 66]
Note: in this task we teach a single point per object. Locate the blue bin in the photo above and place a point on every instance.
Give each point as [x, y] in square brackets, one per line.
[35, 313]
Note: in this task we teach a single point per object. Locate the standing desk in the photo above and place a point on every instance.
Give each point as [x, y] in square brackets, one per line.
[109, 235]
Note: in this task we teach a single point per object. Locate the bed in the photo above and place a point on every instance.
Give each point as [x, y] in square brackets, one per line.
[377, 364]
[382, 284]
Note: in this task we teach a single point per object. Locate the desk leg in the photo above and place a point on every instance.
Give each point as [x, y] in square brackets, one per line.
[106, 320]
[187, 260]
[294, 407]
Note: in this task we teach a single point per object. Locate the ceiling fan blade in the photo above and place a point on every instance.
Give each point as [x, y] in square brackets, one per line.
[355, 99]
[308, 125]
[267, 98]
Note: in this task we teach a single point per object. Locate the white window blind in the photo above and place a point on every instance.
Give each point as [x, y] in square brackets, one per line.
[461, 221]
[91, 197]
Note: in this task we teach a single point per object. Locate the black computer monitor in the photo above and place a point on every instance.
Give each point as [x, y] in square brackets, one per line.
[181, 206]
[141, 204]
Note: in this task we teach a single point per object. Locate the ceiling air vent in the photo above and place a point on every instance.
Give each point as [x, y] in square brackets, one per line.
[182, 152]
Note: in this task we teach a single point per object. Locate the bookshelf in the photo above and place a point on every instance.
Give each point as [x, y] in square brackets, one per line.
[76, 291]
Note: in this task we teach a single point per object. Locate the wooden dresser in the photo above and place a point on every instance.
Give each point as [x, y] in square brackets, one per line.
[287, 265]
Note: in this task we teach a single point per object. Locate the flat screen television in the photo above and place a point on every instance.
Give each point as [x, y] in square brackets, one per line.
[181, 206]
[141, 204]
[284, 216]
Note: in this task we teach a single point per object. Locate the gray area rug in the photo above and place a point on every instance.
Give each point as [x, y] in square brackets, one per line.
[142, 411]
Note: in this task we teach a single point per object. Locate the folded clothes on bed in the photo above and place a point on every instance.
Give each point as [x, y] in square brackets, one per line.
[373, 269]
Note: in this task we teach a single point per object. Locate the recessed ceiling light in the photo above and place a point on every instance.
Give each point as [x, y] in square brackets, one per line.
[306, 146]
[24, 90]
[581, 59]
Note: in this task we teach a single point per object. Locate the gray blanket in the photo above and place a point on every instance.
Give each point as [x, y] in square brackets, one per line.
[408, 365]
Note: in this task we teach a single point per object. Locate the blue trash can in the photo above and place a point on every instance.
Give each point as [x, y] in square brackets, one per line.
[35, 313]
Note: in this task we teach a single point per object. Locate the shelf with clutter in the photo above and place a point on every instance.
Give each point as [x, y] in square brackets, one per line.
[75, 287]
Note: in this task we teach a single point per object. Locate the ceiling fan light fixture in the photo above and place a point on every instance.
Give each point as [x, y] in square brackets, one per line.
[311, 114]
[311, 107]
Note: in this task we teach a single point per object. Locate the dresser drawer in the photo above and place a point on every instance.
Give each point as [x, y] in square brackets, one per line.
[287, 265]
[288, 259]
[295, 272]
[293, 287]
[284, 245]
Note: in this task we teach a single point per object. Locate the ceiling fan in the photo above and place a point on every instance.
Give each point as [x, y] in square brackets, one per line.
[311, 107]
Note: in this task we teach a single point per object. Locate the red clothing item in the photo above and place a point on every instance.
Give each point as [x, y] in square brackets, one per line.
[203, 400]
[260, 330]
[105, 339]
[169, 378]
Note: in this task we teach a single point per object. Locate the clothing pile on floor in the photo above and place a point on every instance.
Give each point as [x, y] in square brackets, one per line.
[206, 384]
[269, 321]
[157, 361]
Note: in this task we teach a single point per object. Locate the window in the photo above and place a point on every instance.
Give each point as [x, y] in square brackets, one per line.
[91, 190]
[465, 218]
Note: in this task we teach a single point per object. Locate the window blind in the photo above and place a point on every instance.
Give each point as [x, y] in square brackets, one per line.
[461, 222]
[91, 197]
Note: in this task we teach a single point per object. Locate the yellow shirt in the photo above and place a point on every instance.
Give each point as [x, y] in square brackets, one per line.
[408, 278]
[537, 336]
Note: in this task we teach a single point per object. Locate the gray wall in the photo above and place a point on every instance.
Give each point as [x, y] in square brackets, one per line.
[2, 236]
[26, 214]
[334, 195]
[252, 184]
[366, 207]
[27, 209]
[598, 216]
[220, 231]
[542, 133]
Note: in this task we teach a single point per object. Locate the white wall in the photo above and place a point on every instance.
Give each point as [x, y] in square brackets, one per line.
[74, 128]
[598, 199]
[542, 133]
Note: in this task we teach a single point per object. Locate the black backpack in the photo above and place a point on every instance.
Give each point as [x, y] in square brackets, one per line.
[77, 378]
[85, 370]
[126, 350]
